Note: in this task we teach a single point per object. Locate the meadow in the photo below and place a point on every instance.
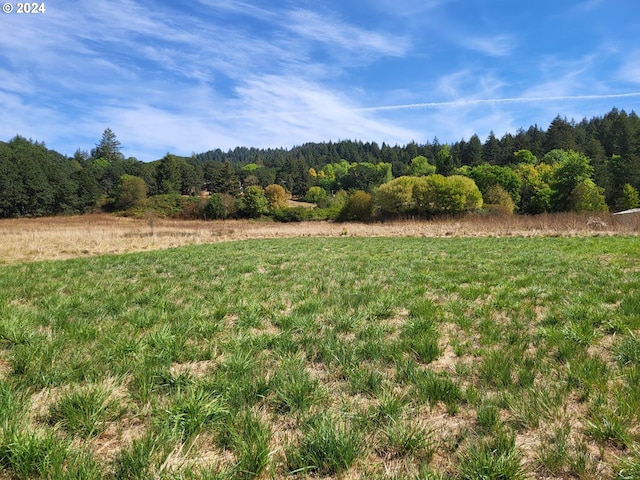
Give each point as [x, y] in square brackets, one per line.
[341, 357]
[62, 237]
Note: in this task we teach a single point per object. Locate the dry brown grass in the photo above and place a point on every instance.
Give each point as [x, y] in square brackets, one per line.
[25, 240]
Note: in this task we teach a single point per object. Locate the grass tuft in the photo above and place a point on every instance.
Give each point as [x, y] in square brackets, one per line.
[190, 412]
[251, 439]
[327, 447]
[84, 412]
[294, 388]
[407, 439]
[496, 458]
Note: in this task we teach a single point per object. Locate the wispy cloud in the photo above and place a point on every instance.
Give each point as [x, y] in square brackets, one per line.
[409, 9]
[630, 70]
[219, 73]
[493, 46]
[240, 8]
[484, 101]
[341, 36]
[281, 106]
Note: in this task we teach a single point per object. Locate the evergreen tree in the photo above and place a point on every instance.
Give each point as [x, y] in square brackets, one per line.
[108, 148]
[168, 175]
[444, 161]
[560, 135]
[507, 148]
[88, 189]
[491, 150]
[191, 177]
[472, 153]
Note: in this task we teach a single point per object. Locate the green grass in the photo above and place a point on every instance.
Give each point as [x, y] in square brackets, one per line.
[402, 439]
[83, 412]
[190, 412]
[367, 357]
[493, 459]
[328, 446]
[294, 389]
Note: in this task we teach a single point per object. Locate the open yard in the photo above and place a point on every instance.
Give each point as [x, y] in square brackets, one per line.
[446, 350]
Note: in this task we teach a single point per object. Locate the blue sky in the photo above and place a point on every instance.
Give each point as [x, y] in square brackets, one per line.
[190, 76]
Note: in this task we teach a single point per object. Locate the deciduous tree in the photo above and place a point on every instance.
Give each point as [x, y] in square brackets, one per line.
[253, 203]
[486, 176]
[420, 166]
[276, 197]
[316, 195]
[496, 195]
[572, 169]
[358, 207]
[436, 194]
[586, 196]
[130, 192]
[396, 197]
[629, 198]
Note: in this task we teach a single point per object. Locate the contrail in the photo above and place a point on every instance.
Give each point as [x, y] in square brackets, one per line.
[466, 103]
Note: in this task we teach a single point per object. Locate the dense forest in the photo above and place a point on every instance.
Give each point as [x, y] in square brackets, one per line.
[593, 165]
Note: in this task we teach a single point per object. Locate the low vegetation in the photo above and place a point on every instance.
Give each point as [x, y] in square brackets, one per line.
[403, 358]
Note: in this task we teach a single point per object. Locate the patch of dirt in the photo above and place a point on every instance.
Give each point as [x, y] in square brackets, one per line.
[195, 369]
[5, 368]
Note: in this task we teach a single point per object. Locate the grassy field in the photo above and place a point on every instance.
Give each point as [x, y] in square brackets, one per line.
[35, 239]
[403, 358]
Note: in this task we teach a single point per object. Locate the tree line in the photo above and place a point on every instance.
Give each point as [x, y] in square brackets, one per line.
[592, 165]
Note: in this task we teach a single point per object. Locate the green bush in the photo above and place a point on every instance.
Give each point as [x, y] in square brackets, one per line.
[358, 208]
[253, 203]
[218, 207]
[498, 200]
[396, 197]
[316, 195]
[163, 206]
[629, 198]
[430, 195]
[295, 214]
[586, 196]
[131, 191]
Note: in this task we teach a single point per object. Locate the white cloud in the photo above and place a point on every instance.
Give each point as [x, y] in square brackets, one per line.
[342, 36]
[29, 119]
[240, 8]
[148, 133]
[630, 70]
[493, 46]
[277, 109]
[409, 9]
[166, 77]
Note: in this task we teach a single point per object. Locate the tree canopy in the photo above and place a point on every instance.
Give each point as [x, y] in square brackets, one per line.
[542, 170]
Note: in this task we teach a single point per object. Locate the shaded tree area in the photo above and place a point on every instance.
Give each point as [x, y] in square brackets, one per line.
[570, 165]
[35, 181]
